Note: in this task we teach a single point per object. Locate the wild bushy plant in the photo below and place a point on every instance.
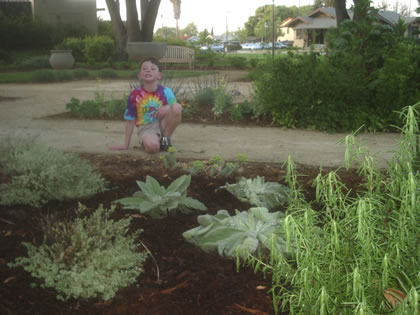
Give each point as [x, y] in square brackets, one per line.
[222, 98]
[39, 174]
[90, 257]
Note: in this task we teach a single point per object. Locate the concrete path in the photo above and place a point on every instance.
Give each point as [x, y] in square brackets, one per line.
[23, 108]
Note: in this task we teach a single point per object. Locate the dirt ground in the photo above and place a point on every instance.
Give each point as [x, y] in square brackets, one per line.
[23, 108]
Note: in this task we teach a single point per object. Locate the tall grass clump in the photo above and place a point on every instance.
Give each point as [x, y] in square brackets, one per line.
[90, 257]
[358, 252]
[37, 174]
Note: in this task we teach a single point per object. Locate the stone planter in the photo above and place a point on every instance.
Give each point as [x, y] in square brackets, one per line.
[140, 50]
[61, 59]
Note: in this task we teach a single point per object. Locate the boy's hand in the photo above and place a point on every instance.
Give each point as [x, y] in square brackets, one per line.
[118, 147]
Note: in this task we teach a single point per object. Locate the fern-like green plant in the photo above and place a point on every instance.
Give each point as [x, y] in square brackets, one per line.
[259, 193]
[242, 234]
[156, 200]
[90, 257]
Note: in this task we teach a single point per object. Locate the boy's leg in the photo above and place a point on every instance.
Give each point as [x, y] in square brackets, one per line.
[172, 118]
[151, 143]
[149, 136]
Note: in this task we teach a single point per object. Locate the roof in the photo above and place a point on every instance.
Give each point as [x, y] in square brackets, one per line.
[324, 18]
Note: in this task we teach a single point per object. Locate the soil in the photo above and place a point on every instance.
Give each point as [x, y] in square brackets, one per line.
[190, 280]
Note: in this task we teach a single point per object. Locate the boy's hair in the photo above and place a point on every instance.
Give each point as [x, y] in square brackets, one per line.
[154, 61]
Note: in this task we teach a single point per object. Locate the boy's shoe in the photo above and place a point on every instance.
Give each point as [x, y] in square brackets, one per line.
[165, 143]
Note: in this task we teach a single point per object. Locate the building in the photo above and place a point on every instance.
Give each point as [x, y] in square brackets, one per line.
[311, 30]
[16, 7]
[79, 13]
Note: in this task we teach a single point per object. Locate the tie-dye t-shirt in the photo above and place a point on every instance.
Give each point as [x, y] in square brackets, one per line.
[142, 106]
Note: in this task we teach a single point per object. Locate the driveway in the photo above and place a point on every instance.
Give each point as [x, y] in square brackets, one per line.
[23, 108]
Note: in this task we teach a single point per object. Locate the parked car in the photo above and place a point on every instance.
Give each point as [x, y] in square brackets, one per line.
[249, 46]
[217, 47]
[280, 45]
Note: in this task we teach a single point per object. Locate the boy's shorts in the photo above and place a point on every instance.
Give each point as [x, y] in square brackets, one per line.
[150, 129]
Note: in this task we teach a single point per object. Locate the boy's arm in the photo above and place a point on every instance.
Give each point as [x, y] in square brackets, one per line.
[129, 126]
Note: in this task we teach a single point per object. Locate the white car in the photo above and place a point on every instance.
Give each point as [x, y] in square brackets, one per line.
[249, 46]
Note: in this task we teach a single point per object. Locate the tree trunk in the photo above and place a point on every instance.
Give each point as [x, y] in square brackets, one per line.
[341, 11]
[132, 31]
[149, 11]
[118, 28]
[133, 25]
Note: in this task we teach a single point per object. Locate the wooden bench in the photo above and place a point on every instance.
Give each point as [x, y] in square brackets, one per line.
[179, 54]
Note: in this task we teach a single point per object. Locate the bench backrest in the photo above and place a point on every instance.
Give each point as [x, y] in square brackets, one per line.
[179, 53]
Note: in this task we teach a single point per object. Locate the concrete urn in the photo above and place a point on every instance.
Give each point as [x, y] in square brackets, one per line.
[61, 59]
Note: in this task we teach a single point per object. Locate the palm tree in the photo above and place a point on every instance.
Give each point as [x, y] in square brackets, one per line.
[177, 13]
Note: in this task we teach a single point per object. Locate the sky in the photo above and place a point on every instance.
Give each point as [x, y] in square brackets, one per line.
[218, 14]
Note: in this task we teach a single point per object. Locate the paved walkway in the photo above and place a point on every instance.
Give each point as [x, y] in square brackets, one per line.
[24, 106]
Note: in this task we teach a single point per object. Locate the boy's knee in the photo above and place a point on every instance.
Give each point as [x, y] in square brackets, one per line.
[151, 147]
[176, 109]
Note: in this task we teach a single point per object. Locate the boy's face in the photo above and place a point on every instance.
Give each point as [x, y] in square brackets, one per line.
[149, 72]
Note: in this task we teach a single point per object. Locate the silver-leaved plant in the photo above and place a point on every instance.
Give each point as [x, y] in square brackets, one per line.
[259, 193]
[156, 200]
[242, 234]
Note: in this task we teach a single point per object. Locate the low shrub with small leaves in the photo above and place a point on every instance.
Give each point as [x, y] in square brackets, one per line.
[39, 174]
[80, 73]
[90, 257]
[37, 62]
[44, 75]
[107, 73]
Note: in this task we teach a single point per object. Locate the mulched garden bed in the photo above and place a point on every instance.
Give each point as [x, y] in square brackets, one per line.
[184, 279]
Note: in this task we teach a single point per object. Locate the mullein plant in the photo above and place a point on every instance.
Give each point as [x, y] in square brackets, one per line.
[360, 253]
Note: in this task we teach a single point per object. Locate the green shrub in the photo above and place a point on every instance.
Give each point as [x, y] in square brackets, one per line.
[37, 62]
[99, 49]
[108, 73]
[64, 75]
[204, 97]
[238, 62]
[5, 56]
[85, 109]
[222, 98]
[91, 257]
[115, 108]
[44, 76]
[240, 111]
[77, 46]
[81, 73]
[39, 174]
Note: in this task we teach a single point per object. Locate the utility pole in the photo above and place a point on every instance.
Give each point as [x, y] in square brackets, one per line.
[272, 48]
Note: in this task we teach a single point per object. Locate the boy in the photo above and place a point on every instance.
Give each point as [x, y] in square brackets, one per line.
[153, 109]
